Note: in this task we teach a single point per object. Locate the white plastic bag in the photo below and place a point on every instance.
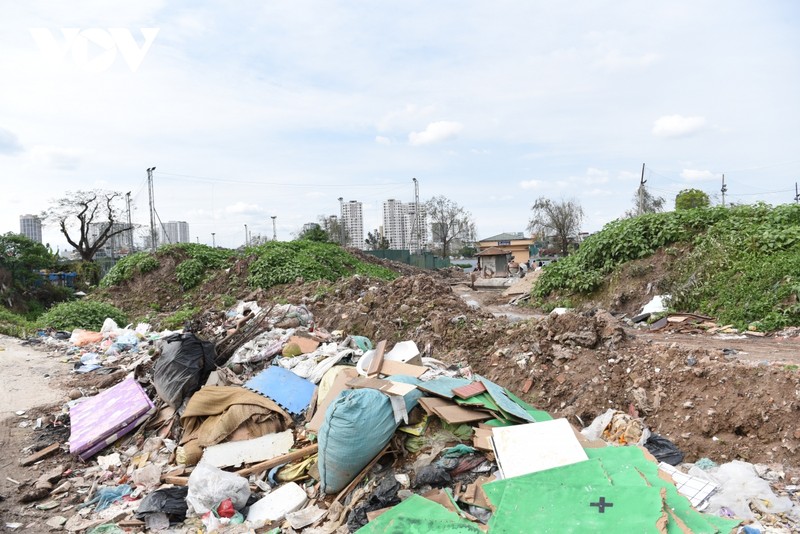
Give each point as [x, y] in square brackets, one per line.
[741, 486]
[208, 486]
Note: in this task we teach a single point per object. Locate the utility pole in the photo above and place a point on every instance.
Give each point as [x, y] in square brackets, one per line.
[724, 190]
[417, 217]
[153, 239]
[640, 206]
[274, 234]
[246, 239]
[213, 239]
[130, 226]
[796, 194]
[341, 221]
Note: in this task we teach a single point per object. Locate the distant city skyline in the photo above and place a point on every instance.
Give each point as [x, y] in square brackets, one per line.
[252, 111]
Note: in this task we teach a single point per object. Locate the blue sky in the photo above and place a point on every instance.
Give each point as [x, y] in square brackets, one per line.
[279, 108]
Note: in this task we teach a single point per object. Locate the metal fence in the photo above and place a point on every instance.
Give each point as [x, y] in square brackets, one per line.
[425, 260]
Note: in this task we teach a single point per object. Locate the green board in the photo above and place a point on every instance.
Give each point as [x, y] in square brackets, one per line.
[418, 515]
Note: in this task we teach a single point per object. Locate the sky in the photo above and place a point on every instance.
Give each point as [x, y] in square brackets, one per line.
[267, 108]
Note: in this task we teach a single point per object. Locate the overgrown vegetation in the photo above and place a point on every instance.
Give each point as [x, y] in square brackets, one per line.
[744, 266]
[284, 262]
[179, 318]
[202, 258]
[84, 314]
[127, 267]
[15, 325]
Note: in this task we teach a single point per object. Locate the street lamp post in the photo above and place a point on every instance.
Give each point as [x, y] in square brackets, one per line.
[246, 239]
[274, 234]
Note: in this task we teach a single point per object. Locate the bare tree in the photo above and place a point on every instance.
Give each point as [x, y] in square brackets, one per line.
[562, 219]
[449, 221]
[78, 212]
[645, 202]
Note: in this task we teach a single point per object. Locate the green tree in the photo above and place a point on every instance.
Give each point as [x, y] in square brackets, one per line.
[20, 260]
[314, 232]
[691, 198]
[562, 219]
[376, 241]
[448, 221]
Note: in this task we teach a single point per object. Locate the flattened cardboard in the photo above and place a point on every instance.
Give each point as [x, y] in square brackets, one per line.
[384, 386]
[391, 367]
[306, 344]
[339, 385]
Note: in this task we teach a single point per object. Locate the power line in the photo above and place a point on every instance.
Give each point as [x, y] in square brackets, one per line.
[250, 182]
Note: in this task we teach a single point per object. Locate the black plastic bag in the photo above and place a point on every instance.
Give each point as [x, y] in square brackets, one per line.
[432, 475]
[183, 367]
[383, 496]
[170, 501]
[663, 449]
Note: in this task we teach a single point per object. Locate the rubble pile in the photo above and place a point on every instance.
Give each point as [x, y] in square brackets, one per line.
[707, 400]
[397, 407]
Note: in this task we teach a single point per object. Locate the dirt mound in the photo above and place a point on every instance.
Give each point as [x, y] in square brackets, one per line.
[577, 366]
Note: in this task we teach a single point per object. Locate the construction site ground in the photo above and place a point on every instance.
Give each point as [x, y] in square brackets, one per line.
[723, 397]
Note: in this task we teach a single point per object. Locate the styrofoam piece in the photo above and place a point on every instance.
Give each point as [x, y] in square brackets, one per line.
[534, 447]
[236, 453]
[404, 351]
[276, 505]
[657, 304]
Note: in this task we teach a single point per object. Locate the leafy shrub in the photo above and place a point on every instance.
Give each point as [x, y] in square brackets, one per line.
[127, 267]
[189, 273]
[743, 266]
[15, 325]
[179, 318]
[284, 262]
[85, 314]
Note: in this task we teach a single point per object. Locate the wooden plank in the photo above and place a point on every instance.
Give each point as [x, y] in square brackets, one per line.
[429, 404]
[456, 415]
[377, 359]
[42, 454]
[470, 390]
[391, 367]
[278, 460]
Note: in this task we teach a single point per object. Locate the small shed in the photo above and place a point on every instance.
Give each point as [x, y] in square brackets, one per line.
[494, 259]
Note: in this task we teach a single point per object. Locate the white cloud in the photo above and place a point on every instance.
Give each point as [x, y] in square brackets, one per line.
[677, 125]
[243, 208]
[531, 184]
[436, 132]
[596, 176]
[405, 118]
[381, 140]
[695, 175]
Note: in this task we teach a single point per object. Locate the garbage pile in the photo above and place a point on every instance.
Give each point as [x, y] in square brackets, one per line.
[283, 426]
